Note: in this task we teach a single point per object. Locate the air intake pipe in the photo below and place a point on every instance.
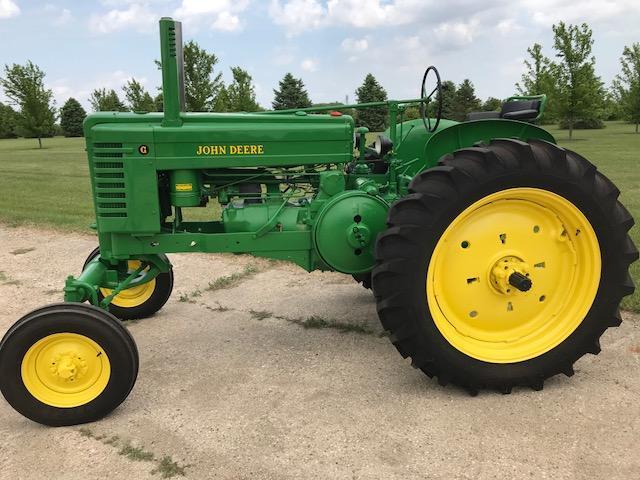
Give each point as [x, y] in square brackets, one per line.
[171, 57]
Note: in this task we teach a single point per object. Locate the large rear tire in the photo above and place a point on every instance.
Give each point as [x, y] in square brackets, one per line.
[504, 265]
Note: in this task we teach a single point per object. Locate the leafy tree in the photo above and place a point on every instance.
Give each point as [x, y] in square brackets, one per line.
[291, 94]
[580, 91]
[139, 99]
[492, 104]
[222, 100]
[24, 86]
[8, 121]
[375, 119]
[241, 92]
[540, 78]
[465, 101]
[106, 101]
[200, 85]
[71, 117]
[627, 84]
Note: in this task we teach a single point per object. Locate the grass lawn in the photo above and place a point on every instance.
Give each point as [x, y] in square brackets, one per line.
[50, 186]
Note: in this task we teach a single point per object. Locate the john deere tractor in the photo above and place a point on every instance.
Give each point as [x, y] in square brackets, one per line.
[496, 258]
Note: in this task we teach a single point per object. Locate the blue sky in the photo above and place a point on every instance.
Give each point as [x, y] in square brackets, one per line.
[331, 44]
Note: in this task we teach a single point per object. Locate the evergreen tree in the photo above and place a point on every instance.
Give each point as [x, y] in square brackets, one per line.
[159, 102]
[71, 117]
[465, 101]
[24, 86]
[492, 104]
[375, 119]
[580, 91]
[139, 99]
[627, 84]
[291, 94]
[8, 121]
[241, 92]
[106, 101]
[448, 99]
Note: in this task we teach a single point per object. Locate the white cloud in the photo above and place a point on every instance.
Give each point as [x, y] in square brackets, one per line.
[223, 15]
[227, 22]
[355, 45]
[547, 12]
[297, 15]
[137, 16]
[64, 17]
[8, 9]
[455, 34]
[507, 26]
[309, 65]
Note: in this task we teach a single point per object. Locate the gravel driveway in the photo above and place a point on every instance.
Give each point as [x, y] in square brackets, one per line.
[256, 369]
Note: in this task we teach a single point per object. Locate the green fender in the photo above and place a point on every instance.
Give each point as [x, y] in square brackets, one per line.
[467, 134]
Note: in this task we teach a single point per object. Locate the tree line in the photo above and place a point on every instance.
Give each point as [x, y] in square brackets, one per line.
[577, 97]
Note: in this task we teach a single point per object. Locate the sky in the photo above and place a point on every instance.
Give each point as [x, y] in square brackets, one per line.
[330, 44]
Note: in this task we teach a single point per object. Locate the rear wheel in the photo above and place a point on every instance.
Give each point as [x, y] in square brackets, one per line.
[141, 301]
[67, 364]
[504, 265]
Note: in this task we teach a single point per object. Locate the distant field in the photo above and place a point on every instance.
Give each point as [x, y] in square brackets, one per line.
[51, 186]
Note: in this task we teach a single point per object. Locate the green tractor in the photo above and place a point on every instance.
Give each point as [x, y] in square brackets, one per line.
[496, 258]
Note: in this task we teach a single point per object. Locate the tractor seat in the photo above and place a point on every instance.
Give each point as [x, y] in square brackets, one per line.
[511, 110]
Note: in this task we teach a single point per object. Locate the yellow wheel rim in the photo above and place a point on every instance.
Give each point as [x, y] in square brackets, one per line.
[65, 370]
[132, 297]
[539, 235]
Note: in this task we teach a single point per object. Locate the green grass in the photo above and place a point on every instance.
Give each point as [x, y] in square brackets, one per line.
[50, 186]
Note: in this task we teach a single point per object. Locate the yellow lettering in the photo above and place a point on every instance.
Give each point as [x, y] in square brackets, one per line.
[223, 149]
[254, 149]
[199, 150]
[233, 149]
[260, 149]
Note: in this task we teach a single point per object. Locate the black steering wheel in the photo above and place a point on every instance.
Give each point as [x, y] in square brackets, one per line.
[424, 103]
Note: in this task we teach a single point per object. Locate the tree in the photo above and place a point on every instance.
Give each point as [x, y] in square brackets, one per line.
[448, 98]
[540, 78]
[291, 94]
[159, 102]
[375, 119]
[8, 121]
[580, 91]
[465, 101]
[24, 87]
[627, 84]
[492, 104]
[200, 86]
[106, 101]
[71, 117]
[139, 99]
[241, 95]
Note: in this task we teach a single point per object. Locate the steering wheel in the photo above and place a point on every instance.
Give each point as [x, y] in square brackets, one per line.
[424, 103]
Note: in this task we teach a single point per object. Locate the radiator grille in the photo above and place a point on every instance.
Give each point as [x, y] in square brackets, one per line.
[106, 176]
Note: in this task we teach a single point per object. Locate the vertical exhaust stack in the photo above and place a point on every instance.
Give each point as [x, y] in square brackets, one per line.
[171, 57]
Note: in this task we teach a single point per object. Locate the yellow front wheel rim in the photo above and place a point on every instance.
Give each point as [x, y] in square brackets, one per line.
[543, 237]
[65, 370]
[134, 296]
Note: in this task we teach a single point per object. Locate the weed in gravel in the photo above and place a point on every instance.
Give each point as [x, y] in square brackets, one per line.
[137, 454]
[167, 468]
[318, 322]
[113, 441]
[22, 251]
[229, 281]
[3, 276]
[260, 314]
[86, 432]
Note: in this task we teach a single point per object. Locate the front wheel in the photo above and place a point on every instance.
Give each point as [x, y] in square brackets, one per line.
[504, 265]
[140, 301]
[67, 364]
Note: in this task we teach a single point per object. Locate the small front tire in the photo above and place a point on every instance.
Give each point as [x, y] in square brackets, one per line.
[67, 364]
[141, 301]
